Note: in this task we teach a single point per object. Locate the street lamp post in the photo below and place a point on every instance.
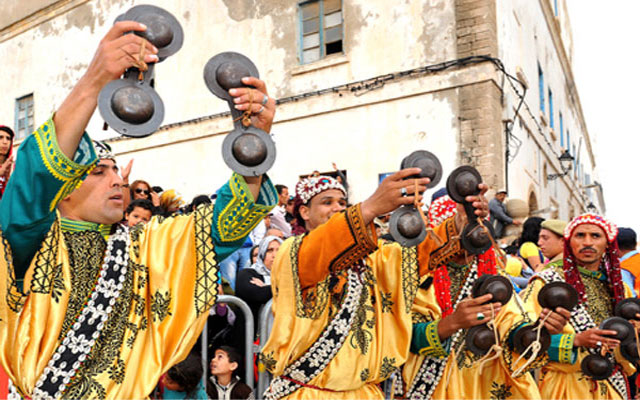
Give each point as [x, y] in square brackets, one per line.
[566, 161]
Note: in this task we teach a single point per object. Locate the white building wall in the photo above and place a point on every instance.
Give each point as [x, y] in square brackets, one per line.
[526, 39]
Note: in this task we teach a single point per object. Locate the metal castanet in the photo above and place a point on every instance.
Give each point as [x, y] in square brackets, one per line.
[163, 29]
[406, 224]
[247, 150]
[597, 367]
[476, 237]
[130, 105]
[479, 339]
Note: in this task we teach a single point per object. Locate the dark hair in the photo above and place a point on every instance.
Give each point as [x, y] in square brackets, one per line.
[187, 374]
[199, 200]
[251, 252]
[232, 354]
[530, 230]
[137, 183]
[627, 239]
[142, 203]
[280, 188]
[8, 130]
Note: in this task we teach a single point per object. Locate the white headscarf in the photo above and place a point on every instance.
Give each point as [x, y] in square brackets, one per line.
[262, 252]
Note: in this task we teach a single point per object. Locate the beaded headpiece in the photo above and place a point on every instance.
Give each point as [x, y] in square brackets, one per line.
[611, 261]
[440, 210]
[103, 151]
[610, 229]
[308, 188]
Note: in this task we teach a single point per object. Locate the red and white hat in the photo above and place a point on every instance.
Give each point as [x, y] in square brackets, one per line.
[440, 210]
[610, 229]
[307, 188]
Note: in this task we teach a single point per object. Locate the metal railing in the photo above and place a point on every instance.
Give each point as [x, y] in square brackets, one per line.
[248, 333]
[265, 323]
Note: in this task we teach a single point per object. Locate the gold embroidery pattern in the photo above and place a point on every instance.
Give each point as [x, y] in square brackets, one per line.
[267, 361]
[313, 301]
[363, 245]
[448, 250]
[364, 374]
[500, 391]
[15, 298]
[599, 303]
[160, 305]
[86, 253]
[387, 368]
[61, 167]
[410, 275]
[360, 335]
[241, 215]
[206, 288]
[105, 354]
[45, 262]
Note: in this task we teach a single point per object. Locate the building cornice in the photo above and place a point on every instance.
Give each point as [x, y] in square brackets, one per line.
[39, 17]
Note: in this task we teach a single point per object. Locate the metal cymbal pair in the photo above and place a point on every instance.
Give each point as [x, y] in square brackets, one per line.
[406, 225]
[481, 337]
[462, 182]
[247, 150]
[131, 106]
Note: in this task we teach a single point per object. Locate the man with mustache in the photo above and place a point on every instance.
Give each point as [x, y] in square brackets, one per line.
[592, 267]
[89, 309]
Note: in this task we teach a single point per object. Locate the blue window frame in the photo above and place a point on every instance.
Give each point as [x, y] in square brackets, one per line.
[568, 141]
[555, 7]
[551, 124]
[561, 131]
[541, 87]
[24, 116]
[321, 29]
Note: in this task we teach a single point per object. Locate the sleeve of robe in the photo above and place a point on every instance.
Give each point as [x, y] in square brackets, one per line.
[341, 242]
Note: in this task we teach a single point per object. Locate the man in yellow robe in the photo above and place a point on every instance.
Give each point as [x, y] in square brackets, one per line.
[590, 265]
[88, 308]
[440, 365]
[342, 300]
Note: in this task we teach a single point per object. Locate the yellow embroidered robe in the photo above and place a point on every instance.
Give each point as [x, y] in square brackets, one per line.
[169, 286]
[463, 377]
[379, 339]
[562, 377]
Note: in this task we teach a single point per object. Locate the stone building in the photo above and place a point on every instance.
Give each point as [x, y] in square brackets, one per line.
[361, 83]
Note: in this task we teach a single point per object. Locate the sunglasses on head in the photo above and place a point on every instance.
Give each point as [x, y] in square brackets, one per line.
[145, 191]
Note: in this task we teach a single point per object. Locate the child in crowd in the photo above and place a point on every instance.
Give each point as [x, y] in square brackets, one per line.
[223, 384]
[183, 381]
[138, 211]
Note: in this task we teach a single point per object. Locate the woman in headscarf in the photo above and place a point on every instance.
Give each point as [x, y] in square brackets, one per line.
[6, 158]
[253, 284]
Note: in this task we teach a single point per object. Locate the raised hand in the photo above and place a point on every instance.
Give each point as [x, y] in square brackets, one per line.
[5, 168]
[391, 194]
[262, 114]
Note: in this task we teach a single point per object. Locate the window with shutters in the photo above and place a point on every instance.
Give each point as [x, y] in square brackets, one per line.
[321, 29]
[24, 125]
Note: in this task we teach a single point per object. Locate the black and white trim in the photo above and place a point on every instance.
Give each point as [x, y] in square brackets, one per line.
[432, 368]
[581, 321]
[80, 339]
[320, 354]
